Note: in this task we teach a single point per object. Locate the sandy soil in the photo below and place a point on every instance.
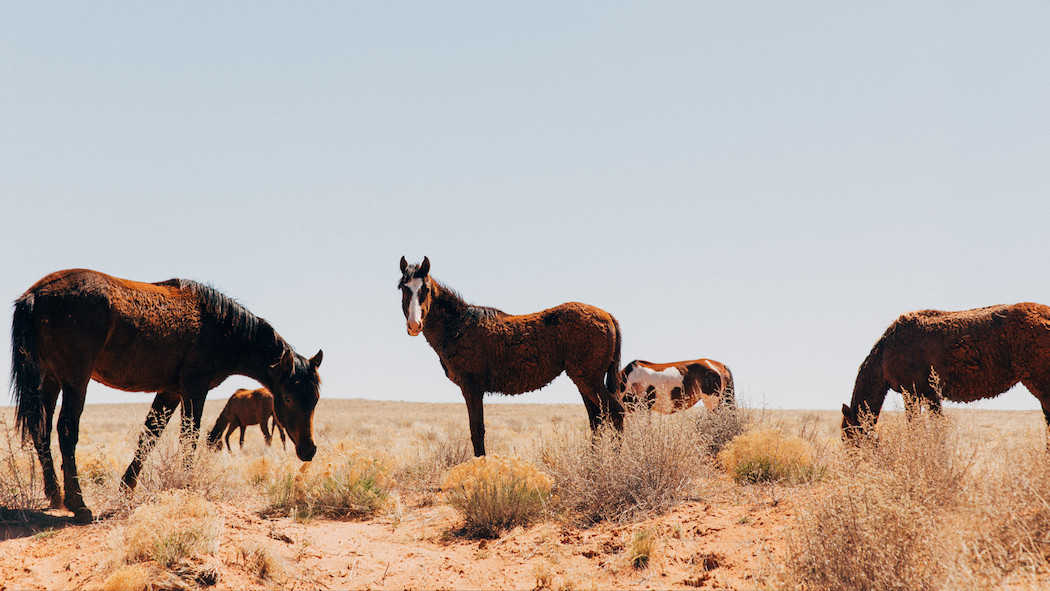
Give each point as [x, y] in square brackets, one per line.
[717, 544]
[727, 536]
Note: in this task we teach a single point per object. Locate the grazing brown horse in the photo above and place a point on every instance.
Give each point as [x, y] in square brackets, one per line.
[177, 338]
[976, 354]
[670, 387]
[485, 350]
[243, 409]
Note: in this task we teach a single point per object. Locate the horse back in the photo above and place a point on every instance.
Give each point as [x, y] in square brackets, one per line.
[976, 354]
[123, 333]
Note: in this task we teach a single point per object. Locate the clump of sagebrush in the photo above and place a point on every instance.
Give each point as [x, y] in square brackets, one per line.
[647, 468]
[767, 455]
[352, 487]
[431, 459]
[176, 525]
[717, 428]
[884, 518]
[494, 494]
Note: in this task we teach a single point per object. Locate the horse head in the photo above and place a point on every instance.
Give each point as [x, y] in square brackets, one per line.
[856, 426]
[295, 391]
[416, 294]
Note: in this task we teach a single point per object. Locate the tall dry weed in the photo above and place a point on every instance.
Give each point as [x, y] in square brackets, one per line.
[885, 515]
[646, 469]
[20, 486]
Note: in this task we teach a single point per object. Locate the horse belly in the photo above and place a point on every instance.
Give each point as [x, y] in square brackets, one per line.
[663, 384]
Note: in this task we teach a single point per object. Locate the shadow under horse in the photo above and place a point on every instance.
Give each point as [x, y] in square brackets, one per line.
[177, 338]
[970, 354]
[483, 349]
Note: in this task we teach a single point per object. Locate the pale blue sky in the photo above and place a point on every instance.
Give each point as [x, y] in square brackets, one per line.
[767, 184]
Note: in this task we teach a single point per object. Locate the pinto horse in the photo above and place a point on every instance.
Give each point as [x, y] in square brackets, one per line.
[177, 338]
[670, 387]
[484, 349]
[976, 354]
[244, 409]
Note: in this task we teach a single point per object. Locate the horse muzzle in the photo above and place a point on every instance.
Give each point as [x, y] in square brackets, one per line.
[306, 451]
[414, 328]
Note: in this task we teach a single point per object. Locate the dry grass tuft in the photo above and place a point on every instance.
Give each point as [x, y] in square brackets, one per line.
[175, 526]
[262, 562]
[617, 476]
[352, 487]
[494, 494]
[643, 543]
[767, 455]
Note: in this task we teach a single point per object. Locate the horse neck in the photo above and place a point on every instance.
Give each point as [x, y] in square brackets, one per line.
[869, 391]
[259, 351]
[446, 317]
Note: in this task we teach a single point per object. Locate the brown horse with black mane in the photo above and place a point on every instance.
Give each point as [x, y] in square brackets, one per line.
[244, 409]
[486, 350]
[670, 387]
[177, 338]
[975, 354]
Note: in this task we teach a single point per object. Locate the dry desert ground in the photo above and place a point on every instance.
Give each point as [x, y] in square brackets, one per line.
[962, 502]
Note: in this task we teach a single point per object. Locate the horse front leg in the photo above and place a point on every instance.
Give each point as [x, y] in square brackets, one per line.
[164, 405]
[68, 435]
[476, 416]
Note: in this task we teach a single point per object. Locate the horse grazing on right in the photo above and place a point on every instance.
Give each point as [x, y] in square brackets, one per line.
[484, 349]
[976, 354]
[243, 409]
[670, 387]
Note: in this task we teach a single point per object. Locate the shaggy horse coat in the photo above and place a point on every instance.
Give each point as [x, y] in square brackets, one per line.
[975, 354]
[670, 387]
[485, 350]
[177, 338]
[243, 409]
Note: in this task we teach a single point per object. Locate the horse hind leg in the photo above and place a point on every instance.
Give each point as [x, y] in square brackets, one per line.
[42, 442]
[73, 395]
[267, 435]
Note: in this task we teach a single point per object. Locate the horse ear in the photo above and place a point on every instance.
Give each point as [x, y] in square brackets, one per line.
[404, 264]
[315, 361]
[287, 362]
[424, 268]
[846, 411]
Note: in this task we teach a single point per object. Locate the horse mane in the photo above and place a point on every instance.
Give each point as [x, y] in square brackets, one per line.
[453, 300]
[233, 316]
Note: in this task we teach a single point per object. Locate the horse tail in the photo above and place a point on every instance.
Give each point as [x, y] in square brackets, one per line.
[612, 375]
[26, 373]
[729, 392]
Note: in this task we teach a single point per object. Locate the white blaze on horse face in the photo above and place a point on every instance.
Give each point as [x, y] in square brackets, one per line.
[662, 382]
[415, 311]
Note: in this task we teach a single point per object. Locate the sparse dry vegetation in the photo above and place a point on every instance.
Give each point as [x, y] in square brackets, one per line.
[493, 494]
[961, 502]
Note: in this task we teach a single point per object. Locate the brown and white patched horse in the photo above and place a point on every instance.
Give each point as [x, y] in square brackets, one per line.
[177, 338]
[485, 350]
[671, 387]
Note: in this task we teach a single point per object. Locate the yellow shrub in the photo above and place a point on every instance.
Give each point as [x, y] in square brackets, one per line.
[767, 455]
[494, 493]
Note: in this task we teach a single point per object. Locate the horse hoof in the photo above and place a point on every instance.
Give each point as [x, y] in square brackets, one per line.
[82, 515]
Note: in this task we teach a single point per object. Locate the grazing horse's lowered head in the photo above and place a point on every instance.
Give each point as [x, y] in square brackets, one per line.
[296, 389]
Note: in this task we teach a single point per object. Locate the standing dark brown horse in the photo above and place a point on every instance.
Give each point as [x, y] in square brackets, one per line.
[976, 354]
[244, 409]
[670, 387]
[177, 338]
[485, 350]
